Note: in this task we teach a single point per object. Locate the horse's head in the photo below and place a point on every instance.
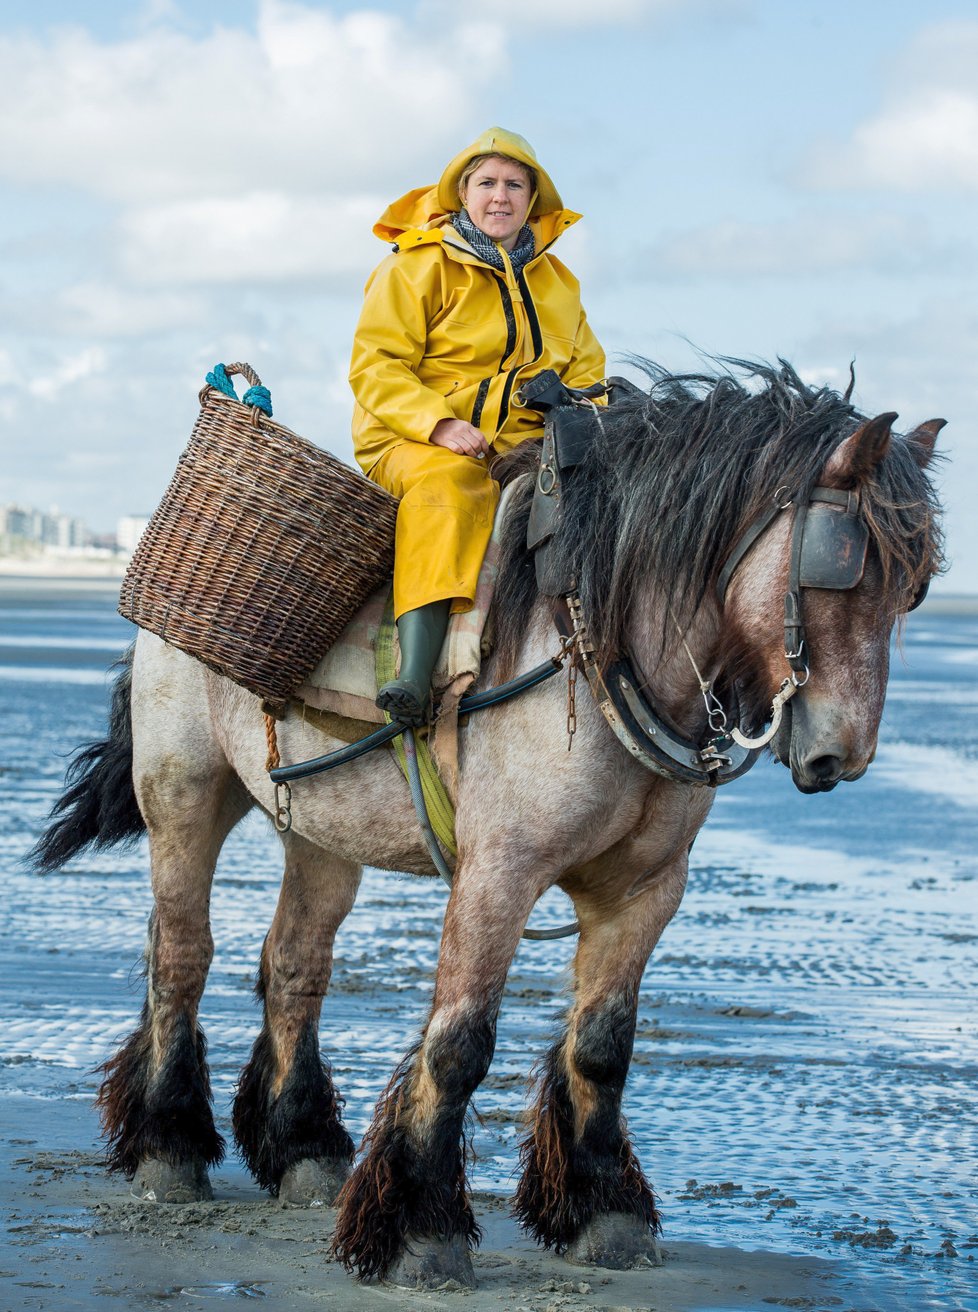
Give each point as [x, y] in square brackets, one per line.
[850, 560]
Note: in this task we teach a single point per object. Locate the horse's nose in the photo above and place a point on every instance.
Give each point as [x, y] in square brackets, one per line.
[819, 773]
[827, 769]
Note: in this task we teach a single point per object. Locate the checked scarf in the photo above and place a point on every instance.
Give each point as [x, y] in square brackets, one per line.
[486, 248]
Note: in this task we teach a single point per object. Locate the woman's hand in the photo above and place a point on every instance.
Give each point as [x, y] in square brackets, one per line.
[463, 438]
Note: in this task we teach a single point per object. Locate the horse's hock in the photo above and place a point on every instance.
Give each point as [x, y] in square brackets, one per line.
[262, 549]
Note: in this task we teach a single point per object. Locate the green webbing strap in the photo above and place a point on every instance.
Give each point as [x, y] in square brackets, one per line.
[441, 813]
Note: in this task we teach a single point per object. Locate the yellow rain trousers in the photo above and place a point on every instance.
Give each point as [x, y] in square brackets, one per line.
[444, 335]
[444, 522]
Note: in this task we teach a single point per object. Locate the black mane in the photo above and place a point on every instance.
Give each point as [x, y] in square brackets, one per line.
[676, 474]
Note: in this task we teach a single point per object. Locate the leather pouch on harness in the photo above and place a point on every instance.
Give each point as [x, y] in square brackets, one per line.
[569, 429]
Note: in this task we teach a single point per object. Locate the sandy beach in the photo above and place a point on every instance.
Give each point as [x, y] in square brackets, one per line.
[75, 1240]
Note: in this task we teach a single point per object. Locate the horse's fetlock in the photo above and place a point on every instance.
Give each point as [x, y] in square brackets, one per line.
[156, 1105]
[576, 1161]
[411, 1181]
[283, 1118]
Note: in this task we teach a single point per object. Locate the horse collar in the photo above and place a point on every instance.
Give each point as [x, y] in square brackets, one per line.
[637, 725]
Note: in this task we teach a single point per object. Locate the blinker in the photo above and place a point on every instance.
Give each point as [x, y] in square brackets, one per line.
[833, 549]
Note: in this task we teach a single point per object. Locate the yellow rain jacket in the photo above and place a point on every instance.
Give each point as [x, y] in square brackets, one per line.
[444, 335]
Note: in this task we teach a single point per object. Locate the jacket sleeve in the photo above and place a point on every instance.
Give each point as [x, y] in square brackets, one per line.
[389, 344]
[587, 363]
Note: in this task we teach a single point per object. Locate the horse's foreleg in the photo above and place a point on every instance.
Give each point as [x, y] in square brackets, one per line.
[582, 1190]
[404, 1213]
[286, 1111]
[154, 1101]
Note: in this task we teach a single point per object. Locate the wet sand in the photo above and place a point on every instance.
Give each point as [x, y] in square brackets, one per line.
[75, 1240]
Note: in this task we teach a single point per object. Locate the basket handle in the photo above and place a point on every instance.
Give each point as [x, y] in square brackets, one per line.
[257, 395]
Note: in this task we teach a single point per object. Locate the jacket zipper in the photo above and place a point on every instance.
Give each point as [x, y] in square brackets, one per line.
[483, 391]
[531, 314]
[535, 334]
[480, 401]
[508, 311]
[504, 401]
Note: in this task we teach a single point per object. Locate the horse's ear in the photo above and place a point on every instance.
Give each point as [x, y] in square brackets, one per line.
[921, 440]
[855, 459]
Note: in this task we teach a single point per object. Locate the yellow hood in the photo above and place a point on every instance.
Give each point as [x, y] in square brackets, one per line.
[427, 207]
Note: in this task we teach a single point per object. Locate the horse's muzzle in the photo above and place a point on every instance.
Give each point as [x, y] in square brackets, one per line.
[817, 762]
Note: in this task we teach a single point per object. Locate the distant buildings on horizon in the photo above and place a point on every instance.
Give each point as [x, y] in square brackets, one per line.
[27, 531]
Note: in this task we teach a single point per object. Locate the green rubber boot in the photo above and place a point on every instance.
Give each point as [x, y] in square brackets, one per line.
[420, 633]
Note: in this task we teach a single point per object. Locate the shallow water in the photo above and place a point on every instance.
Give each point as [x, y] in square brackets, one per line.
[807, 1047]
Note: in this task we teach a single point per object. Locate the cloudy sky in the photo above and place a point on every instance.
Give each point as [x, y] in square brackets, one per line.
[185, 183]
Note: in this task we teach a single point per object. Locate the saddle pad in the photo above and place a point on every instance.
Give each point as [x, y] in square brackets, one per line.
[344, 682]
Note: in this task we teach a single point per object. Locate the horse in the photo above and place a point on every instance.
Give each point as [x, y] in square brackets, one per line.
[681, 530]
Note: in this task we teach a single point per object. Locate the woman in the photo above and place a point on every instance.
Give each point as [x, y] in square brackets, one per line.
[470, 304]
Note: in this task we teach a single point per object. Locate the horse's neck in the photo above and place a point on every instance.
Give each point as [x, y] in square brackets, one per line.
[670, 653]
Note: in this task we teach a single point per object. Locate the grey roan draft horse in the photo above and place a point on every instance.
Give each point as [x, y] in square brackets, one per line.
[674, 480]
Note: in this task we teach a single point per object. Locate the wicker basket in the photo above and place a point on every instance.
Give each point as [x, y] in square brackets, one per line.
[262, 549]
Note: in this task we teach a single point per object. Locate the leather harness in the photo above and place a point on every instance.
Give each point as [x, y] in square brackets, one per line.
[829, 543]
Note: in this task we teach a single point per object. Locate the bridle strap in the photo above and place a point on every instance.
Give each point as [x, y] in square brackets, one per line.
[794, 621]
[833, 496]
[744, 544]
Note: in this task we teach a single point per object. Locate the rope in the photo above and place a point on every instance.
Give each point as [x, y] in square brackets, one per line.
[258, 396]
[715, 709]
[272, 760]
[218, 379]
[715, 714]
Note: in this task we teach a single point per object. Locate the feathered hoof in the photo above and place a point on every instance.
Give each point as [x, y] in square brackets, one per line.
[616, 1240]
[157, 1181]
[313, 1182]
[405, 702]
[433, 1264]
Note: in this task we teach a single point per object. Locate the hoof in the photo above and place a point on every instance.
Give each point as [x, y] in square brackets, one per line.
[433, 1264]
[156, 1181]
[313, 1182]
[616, 1240]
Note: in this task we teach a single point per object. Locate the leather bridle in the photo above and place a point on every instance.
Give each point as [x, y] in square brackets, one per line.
[829, 540]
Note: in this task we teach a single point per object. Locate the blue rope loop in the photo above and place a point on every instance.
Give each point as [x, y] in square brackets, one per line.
[259, 397]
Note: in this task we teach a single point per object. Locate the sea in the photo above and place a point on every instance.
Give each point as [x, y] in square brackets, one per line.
[806, 1061]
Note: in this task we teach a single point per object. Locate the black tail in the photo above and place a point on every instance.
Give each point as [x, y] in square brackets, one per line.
[98, 806]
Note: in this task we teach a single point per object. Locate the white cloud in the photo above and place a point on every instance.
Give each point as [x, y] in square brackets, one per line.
[72, 369]
[925, 135]
[802, 245]
[578, 13]
[103, 309]
[558, 15]
[256, 238]
[308, 102]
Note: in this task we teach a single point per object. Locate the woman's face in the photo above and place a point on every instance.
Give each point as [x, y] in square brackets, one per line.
[497, 197]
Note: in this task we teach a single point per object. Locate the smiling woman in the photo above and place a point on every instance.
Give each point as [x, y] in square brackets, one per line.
[471, 303]
[496, 193]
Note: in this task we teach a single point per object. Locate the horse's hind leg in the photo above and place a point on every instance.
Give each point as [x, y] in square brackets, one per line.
[155, 1098]
[582, 1191]
[286, 1112]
